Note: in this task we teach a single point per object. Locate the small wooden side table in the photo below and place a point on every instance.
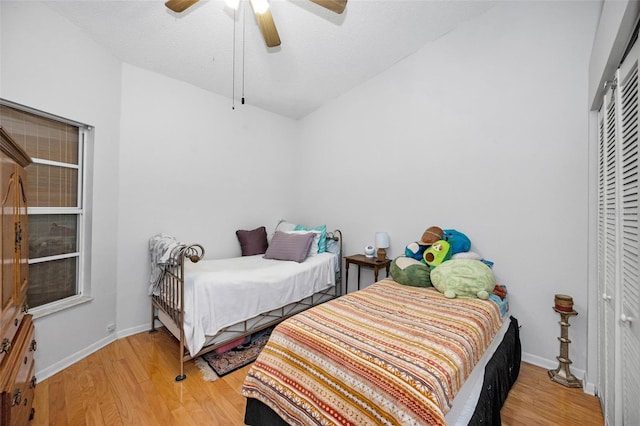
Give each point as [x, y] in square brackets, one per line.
[367, 262]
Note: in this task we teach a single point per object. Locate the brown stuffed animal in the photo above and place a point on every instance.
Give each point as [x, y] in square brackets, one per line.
[431, 235]
[500, 291]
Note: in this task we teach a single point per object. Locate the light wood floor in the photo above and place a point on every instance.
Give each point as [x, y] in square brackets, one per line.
[130, 382]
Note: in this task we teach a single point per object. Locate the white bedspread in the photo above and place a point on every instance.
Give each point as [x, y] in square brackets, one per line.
[222, 292]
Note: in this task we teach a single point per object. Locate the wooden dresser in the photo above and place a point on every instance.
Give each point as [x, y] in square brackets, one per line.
[17, 342]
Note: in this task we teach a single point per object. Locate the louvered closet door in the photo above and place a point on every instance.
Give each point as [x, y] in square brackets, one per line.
[607, 251]
[629, 266]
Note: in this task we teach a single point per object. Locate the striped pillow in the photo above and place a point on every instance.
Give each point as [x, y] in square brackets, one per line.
[285, 246]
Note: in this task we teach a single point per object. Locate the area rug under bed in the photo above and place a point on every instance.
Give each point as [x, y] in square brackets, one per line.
[213, 365]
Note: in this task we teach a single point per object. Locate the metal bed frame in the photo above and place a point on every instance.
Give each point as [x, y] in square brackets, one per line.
[167, 306]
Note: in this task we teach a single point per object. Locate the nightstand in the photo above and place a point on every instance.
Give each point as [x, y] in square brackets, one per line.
[367, 262]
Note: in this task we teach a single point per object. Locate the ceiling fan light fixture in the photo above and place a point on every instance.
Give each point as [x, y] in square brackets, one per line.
[233, 4]
[262, 13]
[260, 6]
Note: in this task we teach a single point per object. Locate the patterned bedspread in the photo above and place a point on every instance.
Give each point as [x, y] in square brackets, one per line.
[389, 354]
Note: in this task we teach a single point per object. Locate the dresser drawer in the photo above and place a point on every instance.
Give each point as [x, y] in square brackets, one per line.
[21, 401]
[9, 332]
[18, 385]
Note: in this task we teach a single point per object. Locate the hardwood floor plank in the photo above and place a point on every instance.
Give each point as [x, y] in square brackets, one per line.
[131, 382]
[154, 405]
[107, 405]
[182, 416]
[41, 403]
[91, 406]
[57, 407]
[73, 397]
[134, 362]
[117, 385]
[149, 408]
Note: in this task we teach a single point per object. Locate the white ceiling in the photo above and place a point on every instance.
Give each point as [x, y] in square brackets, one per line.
[322, 54]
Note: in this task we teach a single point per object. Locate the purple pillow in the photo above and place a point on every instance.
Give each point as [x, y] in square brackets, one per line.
[253, 242]
[289, 246]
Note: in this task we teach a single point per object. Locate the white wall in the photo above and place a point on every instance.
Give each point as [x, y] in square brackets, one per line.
[50, 65]
[192, 167]
[484, 131]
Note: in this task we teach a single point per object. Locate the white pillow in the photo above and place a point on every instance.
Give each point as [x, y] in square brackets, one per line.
[313, 250]
[467, 255]
[282, 226]
[285, 226]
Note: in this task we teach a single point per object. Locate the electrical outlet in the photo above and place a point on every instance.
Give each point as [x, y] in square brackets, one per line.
[111, 328]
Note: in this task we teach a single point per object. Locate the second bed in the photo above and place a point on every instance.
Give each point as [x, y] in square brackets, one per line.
[389, 354]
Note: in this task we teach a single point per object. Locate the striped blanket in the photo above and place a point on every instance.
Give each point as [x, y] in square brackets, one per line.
[386, 355]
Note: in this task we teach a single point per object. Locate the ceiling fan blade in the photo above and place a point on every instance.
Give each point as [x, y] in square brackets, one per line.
[267, 26]
[336, 6]
[180, 5]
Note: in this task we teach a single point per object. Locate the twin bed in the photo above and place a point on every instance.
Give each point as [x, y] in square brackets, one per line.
[388, 354]
[209, 304]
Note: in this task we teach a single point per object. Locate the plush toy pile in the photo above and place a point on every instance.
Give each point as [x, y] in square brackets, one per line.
[442, 259]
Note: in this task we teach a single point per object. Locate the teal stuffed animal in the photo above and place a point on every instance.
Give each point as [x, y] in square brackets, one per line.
[463, 278]
[457, 240]
[415, 250]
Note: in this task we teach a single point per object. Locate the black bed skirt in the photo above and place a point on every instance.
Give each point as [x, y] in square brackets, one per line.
[500, 374]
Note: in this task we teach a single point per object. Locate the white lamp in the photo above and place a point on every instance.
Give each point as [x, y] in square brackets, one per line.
[382, 243]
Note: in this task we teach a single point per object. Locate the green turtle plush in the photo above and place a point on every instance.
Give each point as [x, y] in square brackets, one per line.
[411, 272]
[437, 253]
[463, 278]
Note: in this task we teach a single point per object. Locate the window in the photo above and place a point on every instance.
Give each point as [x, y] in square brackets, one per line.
[55, 196]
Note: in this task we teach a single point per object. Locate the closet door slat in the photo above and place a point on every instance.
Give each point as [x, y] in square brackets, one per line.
[629, 263]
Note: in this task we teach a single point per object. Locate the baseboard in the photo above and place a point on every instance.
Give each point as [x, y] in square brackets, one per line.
[133, 330]
[72, 359]
[548, 364]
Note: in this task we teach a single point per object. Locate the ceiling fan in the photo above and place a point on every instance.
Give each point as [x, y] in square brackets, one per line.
[263, 15]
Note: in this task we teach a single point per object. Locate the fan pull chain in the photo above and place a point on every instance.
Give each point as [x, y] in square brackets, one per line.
[244, 14]
[233, 65]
